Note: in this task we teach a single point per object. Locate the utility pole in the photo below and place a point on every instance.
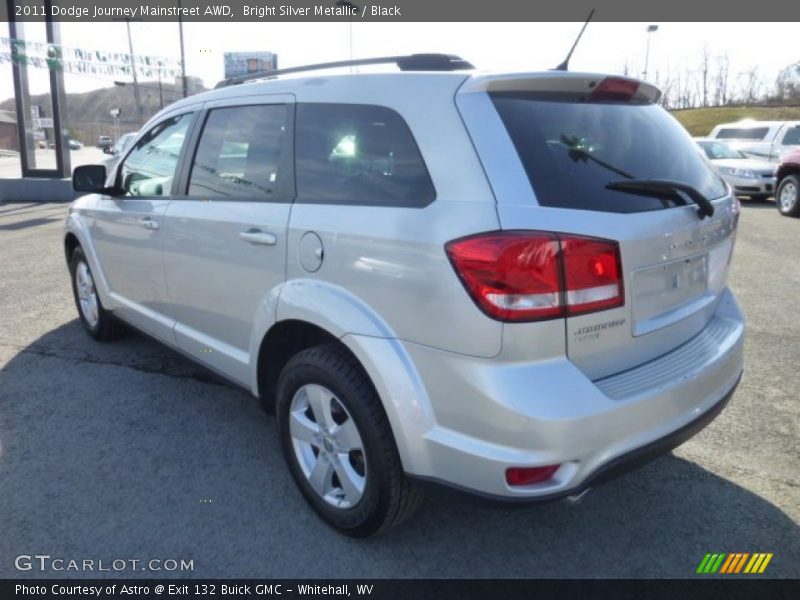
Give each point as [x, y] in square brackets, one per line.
[183, 54]
[136, 95]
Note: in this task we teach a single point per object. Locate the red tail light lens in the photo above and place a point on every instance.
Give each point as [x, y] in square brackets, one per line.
[537, 275]
[513, 276]
[592, 275]
[516, 476]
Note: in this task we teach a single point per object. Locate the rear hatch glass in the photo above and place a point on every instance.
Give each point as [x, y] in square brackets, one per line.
[572, 150]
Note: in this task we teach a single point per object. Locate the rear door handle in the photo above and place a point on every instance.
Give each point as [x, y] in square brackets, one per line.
[148, 223]
[256, 236]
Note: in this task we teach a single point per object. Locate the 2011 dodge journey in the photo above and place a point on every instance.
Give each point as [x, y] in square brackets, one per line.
[512, 285]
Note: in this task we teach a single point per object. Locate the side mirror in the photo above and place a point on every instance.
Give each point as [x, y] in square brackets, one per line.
[89, 178]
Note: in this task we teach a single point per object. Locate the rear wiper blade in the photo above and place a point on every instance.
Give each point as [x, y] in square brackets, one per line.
[656, 187]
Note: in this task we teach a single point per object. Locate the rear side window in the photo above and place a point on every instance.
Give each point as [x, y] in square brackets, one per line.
[241, 154]
[792, 137]
[572, 150]
[742, 133]
[358, 154]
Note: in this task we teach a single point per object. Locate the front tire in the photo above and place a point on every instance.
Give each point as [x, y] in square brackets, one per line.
[338, 444]
[788, 196]
[96, 320]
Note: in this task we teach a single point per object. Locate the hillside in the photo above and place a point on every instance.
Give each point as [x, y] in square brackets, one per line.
[700, 121]
[88, 113]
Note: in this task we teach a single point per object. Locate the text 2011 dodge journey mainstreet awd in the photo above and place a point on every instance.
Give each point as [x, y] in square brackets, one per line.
[512, 285]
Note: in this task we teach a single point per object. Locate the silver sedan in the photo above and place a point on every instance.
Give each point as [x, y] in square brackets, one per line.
[749, 177]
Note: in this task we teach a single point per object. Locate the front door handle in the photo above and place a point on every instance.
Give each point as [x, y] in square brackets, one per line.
[256, 236]
[148, 223]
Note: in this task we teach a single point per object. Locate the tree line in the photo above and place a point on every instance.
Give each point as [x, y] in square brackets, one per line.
[712, 82]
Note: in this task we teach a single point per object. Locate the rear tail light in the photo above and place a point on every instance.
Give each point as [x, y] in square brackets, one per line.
[537, 275]
[516, 476]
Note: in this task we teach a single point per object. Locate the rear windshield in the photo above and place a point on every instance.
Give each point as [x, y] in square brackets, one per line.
[572, 150]
[742, 133]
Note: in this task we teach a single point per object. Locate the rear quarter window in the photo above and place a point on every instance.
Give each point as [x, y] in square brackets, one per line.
[358, 154]
[571, 150]
[742, 133]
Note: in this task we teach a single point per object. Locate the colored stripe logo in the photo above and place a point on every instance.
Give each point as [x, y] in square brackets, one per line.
[734, 562]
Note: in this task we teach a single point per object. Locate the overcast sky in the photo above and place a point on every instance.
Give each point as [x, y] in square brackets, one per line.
[606, 47]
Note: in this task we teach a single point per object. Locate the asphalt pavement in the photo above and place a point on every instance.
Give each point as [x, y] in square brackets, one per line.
[127, 451]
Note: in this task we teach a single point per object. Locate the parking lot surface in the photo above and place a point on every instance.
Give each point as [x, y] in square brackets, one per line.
[129, 451]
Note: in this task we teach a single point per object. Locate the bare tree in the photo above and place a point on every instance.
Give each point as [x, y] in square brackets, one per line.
[667, 92]
[721, 83]
[787, 86]
[751, 86]
[704, 65]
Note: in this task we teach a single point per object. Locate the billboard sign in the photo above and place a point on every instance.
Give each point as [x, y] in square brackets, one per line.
[245, 63]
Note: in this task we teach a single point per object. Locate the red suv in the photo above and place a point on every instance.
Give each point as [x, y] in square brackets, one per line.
[788, 184]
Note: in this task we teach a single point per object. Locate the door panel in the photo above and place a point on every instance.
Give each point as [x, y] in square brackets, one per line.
[225, 240]
[126, 233]
[128, 228]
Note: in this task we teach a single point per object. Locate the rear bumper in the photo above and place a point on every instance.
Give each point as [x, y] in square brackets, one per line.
[485, 415]
[617, 467]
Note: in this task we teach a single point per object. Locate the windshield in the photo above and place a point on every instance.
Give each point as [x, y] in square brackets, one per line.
[572, 150]
[718, 150]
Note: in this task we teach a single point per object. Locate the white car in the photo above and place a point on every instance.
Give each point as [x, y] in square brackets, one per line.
[748, 177]
[765, 140]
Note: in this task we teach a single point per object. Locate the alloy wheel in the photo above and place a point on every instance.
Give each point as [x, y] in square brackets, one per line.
[87, 294]
[328, 446]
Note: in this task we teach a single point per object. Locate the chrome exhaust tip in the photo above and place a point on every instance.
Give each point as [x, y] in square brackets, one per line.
[576, 498]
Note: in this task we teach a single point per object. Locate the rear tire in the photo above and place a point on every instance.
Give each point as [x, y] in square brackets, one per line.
[787, 197]
[96, 320]
[338, 443]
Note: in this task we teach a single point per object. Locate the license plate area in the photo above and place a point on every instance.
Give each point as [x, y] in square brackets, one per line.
[666, 293]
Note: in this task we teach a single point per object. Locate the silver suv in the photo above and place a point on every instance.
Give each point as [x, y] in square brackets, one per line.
[511, 285]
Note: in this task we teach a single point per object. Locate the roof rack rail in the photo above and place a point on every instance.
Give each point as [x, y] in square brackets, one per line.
[411, 62]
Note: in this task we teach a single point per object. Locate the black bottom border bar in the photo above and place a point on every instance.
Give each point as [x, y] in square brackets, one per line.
[702, 587]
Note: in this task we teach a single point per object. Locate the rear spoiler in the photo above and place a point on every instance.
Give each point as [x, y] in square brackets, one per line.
[560, 81]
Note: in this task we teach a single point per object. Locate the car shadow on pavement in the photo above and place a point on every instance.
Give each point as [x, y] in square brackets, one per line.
[758, 204]
[129, 451]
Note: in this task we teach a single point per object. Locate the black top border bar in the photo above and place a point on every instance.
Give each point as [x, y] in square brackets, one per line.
[399, 10]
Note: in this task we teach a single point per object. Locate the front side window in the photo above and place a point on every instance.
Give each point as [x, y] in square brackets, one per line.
[358, 154]
[150, 167]
[240, 153]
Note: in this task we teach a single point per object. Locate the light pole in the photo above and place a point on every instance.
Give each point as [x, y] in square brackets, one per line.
[350, 9]
[650, 30]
